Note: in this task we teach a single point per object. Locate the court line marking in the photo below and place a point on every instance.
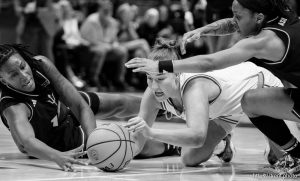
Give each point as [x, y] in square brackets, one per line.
[202, 169]
[126, 175]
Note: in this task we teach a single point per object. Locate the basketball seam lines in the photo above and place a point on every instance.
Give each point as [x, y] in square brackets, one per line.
[113, 152]
[108, 142]
[130, 144]
[125, 148]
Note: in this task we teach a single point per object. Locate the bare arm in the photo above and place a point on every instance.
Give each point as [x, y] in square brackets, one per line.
[69, 95]
[258, 46]
[195, 100]
[24, 137]
[148, 112]
[266, 45]
[221, 27]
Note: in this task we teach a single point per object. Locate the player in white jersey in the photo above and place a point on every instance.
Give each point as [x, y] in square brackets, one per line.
[208, 102]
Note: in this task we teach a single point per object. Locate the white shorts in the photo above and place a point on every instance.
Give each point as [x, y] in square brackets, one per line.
[228, 123]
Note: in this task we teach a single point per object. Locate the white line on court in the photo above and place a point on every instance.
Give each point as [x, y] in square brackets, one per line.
[126, 175]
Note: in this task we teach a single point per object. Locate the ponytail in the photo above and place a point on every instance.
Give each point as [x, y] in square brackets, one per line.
[165, 49]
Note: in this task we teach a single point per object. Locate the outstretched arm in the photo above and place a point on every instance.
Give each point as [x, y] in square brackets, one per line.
[69, 95]
[221, 27]
[266, 45]
[24, 137]
[148, 112]
[195, 101]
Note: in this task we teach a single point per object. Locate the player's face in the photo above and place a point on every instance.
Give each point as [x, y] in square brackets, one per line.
[245, 19]
[163, 85]
[16, 73]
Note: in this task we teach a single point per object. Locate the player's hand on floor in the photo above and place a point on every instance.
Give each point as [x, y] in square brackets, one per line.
[66, 160]
[142, 65]
[137, 125]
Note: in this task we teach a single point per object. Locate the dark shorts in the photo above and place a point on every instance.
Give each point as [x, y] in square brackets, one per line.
[294, 93]
[92, 99]
[71, 131]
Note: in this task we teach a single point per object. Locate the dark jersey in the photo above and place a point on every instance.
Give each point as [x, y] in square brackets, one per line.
[53, 123]
[288, 68]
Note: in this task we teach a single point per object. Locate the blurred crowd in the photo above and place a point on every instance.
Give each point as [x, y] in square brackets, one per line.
[90, 40]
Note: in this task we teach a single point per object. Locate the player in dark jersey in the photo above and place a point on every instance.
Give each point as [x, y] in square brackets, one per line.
[47, 117]
[270, 31]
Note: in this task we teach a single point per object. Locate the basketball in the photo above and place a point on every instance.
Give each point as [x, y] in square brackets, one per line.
[110, 147]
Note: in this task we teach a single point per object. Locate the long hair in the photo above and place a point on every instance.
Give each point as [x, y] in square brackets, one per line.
[7, 50]
[270, 8]
[282, 7]
[165, 49]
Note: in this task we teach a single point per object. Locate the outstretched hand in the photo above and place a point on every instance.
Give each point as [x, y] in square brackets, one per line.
[190, 37]
[143, 65]
[66, 160]
[137, 125]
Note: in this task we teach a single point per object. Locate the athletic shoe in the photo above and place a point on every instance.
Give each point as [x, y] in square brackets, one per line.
[287, 166]
[270, 155]
[229, 150]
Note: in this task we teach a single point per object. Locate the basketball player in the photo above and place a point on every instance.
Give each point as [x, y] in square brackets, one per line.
[44, 112]
[271, 37]
[208, 102]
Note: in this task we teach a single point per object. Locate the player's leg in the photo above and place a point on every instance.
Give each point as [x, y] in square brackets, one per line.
[107, 105]
[117, 105]
[196, 156]
[274, 152]
[267, 108]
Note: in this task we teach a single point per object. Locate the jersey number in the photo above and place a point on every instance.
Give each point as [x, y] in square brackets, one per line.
[54, 122]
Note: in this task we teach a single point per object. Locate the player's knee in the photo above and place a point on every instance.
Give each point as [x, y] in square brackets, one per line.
[248, 103]
[189, 160]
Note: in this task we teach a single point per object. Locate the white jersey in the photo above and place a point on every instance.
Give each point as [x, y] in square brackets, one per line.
[233, 82]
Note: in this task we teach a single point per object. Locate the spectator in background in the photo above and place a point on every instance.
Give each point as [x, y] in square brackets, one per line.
[194, 16]
[69, 47]
[216, 10]
[165, 28]
[127, 34]
[38, 22]
[128, 37]
[194, 12]
[100, 29]
[148, 28]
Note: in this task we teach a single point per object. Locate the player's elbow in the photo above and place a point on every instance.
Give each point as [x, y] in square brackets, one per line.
[197, 139]
[22, 149]
[27, 145]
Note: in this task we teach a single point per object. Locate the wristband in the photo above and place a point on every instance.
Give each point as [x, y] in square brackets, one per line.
[166, 65]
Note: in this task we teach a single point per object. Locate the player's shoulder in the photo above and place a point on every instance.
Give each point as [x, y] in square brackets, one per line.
[16, 110]
[197, 80]
[260, 40]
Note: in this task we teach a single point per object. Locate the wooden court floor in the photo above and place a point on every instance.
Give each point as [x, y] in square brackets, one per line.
[246, 165]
